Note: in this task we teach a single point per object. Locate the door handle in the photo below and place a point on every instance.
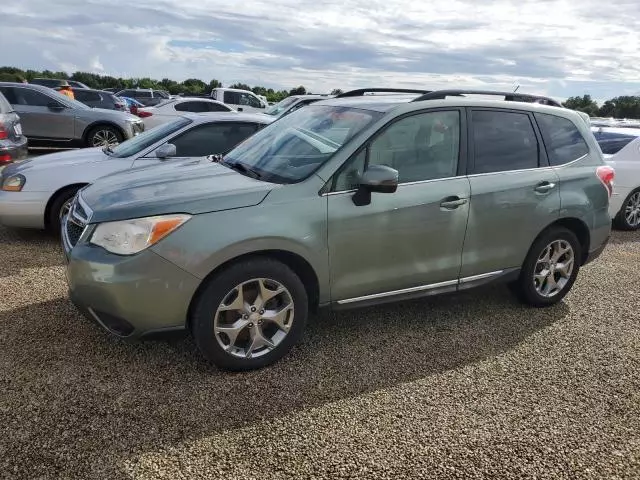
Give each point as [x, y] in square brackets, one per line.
[544, 187]
[451, 203]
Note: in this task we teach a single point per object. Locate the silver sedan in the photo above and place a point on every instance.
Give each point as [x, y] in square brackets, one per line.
[36, 193]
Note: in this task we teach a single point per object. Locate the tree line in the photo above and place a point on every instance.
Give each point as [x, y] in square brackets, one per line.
[190, 86]
[618, 107]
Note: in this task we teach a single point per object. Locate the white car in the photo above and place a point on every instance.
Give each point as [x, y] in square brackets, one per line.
[173, 108]
[621, 149]
[36, 193]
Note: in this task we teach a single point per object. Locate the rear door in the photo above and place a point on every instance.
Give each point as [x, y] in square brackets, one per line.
[42, 116]
[514, 191]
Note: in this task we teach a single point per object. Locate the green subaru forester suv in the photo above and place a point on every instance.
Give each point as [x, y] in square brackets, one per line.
[351, 201]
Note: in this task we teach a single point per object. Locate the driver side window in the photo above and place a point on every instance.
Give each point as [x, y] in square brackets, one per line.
[420, 147]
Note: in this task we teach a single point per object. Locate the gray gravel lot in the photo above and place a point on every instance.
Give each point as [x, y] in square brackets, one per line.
[469, 386]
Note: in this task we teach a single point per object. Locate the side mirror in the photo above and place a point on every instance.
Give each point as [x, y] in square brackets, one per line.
[165, 151]
[377, 178]
[56, 107]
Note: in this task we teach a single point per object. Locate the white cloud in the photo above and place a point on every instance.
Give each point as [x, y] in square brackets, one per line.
[555, 47]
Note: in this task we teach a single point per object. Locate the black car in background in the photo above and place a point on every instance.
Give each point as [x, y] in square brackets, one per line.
[99, 99]
[13, 144]
[56, 82]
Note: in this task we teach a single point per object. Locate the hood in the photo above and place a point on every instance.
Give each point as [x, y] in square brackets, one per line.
[184, 187]
[67, 158]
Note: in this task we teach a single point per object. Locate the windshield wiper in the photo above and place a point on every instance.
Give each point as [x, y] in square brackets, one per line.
[242, 168]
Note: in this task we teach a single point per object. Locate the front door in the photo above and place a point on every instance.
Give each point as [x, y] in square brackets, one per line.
[409, 241]
[42, 116]
[514, 193]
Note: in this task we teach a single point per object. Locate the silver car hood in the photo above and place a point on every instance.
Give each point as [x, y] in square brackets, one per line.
[67, 158]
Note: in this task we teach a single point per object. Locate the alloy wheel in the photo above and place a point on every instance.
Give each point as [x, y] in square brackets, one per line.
[554, 268]
[254, 318]
[104, 138]
[632, 210]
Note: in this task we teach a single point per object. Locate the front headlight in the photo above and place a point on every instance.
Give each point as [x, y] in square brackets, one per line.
[13, 183]
[128, 237]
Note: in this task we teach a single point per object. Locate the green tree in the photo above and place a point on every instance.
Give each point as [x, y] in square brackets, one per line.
[583, 104]
[336, 91]
[298, 91]
[214, 84]
[621, 107]
[241, 86]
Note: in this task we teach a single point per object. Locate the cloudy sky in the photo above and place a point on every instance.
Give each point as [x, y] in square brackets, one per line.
[559, 48]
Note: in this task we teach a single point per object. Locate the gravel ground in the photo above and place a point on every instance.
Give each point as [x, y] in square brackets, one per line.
[469, 386]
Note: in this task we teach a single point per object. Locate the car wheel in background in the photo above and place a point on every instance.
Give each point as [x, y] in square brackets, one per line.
[60, 207]
[628, 217]
[104, 136]
[250, 314]
[550, 269]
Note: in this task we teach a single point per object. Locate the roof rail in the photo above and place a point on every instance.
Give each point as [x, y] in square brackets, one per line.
[508, 96]
[362, 91]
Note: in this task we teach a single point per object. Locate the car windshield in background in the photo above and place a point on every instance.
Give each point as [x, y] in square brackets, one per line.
[280, 107]
[611, 143]
[148, 138]
[291, 149]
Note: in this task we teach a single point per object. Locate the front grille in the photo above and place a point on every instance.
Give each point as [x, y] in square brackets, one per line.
[73, 232]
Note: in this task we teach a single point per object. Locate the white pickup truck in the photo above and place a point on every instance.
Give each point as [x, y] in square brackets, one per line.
[240, 100]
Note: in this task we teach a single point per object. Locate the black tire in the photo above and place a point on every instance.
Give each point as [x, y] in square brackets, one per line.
[104, 129]
[61, 198]
[620, 220]
[219, 286]
[524, 288]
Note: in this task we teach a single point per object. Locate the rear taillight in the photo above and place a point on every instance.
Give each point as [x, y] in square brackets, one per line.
[3, 132]
[606, 175]
[5, 158]
[143, 114]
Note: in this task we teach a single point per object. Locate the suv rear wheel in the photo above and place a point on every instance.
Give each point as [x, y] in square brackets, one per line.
[550, 269]
[250, 314]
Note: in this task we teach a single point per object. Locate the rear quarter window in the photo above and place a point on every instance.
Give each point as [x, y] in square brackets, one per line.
[562, 139]
[611, 143]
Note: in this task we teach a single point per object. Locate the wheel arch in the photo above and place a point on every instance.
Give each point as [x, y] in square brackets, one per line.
[579, 229]
[298, 264]
[100, 123]
[55, 195]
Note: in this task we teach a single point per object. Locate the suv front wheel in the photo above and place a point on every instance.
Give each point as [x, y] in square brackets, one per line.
[550, 269]
[250, 314]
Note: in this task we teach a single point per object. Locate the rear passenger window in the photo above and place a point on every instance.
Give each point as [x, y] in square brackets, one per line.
[503, 141]
[561, 137]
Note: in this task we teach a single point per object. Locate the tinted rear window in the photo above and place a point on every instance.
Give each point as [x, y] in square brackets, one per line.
[611, 143]
[562, 139]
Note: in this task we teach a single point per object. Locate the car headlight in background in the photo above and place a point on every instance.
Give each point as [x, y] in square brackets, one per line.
[13, 183]
[128, 237]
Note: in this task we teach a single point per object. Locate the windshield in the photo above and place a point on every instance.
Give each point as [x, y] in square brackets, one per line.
[147, 138]
[291, 149]
[281, 106]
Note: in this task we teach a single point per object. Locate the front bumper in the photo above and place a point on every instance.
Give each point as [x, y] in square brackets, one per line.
[129, 296]
[23, 209]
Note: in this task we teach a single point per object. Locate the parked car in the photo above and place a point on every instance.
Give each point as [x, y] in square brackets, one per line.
[240, 100]
[621, 149]
[35, 193]
[292, 103]
[147, 96]
[56, 82]
[132, 104]
[348, 202]
[100, 99]
[13, 144]
[174, 107]
[53, 120]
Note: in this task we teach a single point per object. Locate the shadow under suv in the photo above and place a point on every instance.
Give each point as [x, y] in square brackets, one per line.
[50, 119]
[347, 202]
